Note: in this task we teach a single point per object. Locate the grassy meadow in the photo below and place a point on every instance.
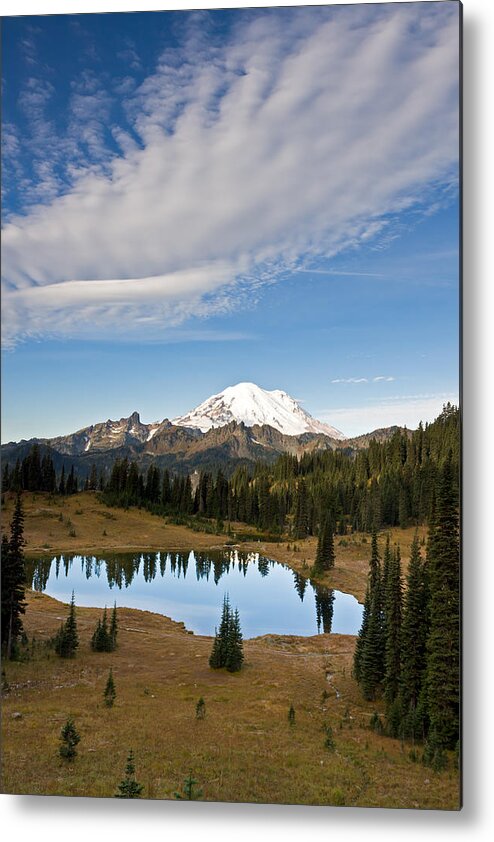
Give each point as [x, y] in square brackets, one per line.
[244, 749]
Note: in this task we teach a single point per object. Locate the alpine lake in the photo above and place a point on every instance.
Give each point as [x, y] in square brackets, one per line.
[190, 587]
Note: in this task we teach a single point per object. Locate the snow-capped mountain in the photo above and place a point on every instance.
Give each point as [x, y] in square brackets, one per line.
[252, 405]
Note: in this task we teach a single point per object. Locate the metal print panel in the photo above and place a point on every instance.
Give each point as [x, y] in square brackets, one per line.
[235, 235]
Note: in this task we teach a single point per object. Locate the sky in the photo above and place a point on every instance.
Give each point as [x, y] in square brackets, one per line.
[194, 199]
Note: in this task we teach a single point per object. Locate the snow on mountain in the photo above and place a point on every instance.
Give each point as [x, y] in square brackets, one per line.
[252, 405]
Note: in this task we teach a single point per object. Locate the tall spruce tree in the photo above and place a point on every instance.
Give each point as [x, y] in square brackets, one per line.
[227, 648]
[114, 627]
[13, 581]
[362, 637]
[393, 598]
[443, 643]
[67, 639]
[234, 646]
[413, 646]
[325, 555]
[370, 659]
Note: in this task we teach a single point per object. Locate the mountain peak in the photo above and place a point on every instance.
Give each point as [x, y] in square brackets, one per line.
[250, 404]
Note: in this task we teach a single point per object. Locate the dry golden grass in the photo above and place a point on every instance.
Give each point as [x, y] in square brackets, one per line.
[245, 749]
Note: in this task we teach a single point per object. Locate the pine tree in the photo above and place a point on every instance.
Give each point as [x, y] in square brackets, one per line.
[393, 598]
[372, 664]
[227, 648]
[443, 643]
[413, 646]
[362, 637]
[234, 648]
[325, 555]
[101, 640]
[110, 693]
[215, 658]
[128, 787]
[370, 649]
[67, 639]
[69, 739]
[201, 709]
[219, 652]
[113, 628]
[291, 715]
[191, 792]
[13, 581]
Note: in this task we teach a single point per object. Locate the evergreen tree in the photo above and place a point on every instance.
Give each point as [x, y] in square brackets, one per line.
[101, 640]
[291, 715]
[69, 739]
[227, 648]
[67, 639]
[325, 555]
[443, 643]
[234, 648]
[128, 787]
[362, 637]
[13, 581]
[392, 611]
[110, 693]
[219, 652]
[370, 648]
[413, 645]
[372, 661]
[113, 627]
[191, 792]
[215, 658]
[201, 709]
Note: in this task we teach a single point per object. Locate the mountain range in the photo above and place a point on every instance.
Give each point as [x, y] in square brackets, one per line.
[242, 424]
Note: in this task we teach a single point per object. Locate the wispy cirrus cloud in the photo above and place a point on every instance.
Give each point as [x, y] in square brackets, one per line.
[381, 378]
[300, 135]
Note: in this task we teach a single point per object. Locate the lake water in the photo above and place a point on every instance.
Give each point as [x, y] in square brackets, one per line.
[190, 586]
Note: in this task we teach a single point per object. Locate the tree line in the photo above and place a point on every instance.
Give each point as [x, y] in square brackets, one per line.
[408, 648]
[388, 483]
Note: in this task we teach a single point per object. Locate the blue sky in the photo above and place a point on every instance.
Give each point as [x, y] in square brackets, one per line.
[195, 199]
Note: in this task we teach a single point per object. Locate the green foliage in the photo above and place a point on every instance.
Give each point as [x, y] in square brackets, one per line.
[291, 715]
[201, 709]
[129, 787]
[325, 555]
[434, 754]
[413, 646]
[104, 638]
[376, 723]
[443, 642]
[69, 740]
[110, 692]
[13, 582]
[227, 648]
[420, 671]
[67, 639]
[393, 598]
[191, 792]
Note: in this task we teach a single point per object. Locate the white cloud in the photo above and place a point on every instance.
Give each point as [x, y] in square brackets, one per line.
[296, 137]
[381, 378]
[403, 410]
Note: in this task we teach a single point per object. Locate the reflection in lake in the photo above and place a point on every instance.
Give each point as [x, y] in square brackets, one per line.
[271, 598]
